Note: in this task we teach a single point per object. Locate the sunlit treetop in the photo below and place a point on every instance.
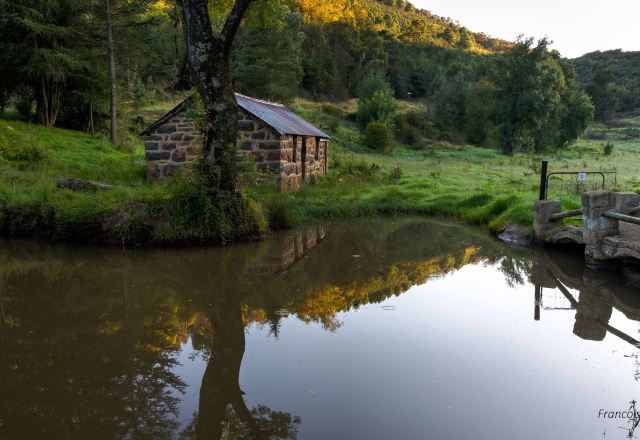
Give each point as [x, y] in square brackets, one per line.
[331, 11]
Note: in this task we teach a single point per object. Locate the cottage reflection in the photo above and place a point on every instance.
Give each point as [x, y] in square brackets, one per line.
[89, 339]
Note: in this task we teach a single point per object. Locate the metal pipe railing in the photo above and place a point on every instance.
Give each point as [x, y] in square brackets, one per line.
[622, 217]
[567, 214]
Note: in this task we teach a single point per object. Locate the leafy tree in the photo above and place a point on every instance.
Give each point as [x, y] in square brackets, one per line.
[376, 102]
[377, 136]
[605, 94]
[535, 93]
[42, 48]
[615, 70]
[209, 57]
[267, 60]
[320, 70]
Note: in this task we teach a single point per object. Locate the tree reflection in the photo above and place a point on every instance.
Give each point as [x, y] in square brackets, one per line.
[222, 411]
[90, 339]
[221, 381]
[82, 364]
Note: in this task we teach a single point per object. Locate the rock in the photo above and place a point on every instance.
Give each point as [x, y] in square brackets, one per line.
[518, 235]
[158, 155]
[179, 156]
[81, 185]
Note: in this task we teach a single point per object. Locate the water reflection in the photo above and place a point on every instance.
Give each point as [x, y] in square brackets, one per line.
[89, 339]
[597, 294]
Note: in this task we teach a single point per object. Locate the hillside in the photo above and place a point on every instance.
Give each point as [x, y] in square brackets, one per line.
[402, 20]
[612, 79]
[624, 66]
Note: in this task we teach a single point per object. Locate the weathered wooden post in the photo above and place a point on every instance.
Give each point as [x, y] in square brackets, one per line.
[596, 226]
[543, 179]
[542, 222]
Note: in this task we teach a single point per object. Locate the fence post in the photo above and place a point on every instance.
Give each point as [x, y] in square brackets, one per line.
[543, 179]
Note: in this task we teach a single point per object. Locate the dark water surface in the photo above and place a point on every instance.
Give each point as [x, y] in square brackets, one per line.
[385, 329]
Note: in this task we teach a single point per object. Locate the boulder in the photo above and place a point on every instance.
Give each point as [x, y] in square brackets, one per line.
[518, 235]
[81, 185]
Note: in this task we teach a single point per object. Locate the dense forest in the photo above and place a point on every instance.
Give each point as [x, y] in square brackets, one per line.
[612, 79]
[72, 63]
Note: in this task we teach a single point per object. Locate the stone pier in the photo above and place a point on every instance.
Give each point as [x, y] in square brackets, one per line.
[607, 241]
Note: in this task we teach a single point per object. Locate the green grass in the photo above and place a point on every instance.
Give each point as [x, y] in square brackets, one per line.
[478, 185]
[66, 154]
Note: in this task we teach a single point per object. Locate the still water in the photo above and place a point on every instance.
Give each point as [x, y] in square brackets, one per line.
[379, 329]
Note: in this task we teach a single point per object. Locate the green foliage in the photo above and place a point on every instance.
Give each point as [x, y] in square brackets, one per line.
[21, 153]
[54, 55]
[267, 62]
[607, 148]
[376, 111]
[536, 98]
[612, 79]
[605, 94]
[377, 136]
[381, 107]
[408, 130]
[396, 174]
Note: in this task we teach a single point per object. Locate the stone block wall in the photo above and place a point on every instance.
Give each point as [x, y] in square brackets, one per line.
[291, 160]
[174, 144]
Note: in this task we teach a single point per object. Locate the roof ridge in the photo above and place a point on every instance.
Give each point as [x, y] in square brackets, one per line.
[262, 101]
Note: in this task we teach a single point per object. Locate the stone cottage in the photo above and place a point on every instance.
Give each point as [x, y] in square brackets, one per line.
[281, 143]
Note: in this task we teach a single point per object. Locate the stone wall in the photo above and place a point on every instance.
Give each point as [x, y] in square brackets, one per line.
[172, 145]
[286, 160]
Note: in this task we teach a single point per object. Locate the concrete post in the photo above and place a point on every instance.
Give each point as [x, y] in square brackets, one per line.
[626, 201]
[597, 227]
[543, 210]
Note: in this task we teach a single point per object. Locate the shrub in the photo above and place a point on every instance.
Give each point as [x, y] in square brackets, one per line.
[631, 133]
[382, 106]
[139, 93]
[22, 154]
[377, 136]
[414, 118]
[607, 148]
[406, 132]
[281, 213]
[396, 173]
[333, 126]
[24, 104]
[331, 109]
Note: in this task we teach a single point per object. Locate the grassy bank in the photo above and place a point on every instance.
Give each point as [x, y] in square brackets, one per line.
[478, 185]
[475, 184]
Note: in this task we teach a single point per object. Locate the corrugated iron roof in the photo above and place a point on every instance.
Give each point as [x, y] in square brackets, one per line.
[278, 117]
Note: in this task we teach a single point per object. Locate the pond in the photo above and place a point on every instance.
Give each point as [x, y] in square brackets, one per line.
[375, 329]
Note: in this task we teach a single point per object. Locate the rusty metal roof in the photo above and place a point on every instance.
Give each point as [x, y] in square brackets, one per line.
[278, 117]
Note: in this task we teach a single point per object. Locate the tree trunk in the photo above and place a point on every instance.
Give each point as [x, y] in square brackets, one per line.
[221, 380]
[184, 77]
[112, 72]
[209, 61]
[48, 102]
